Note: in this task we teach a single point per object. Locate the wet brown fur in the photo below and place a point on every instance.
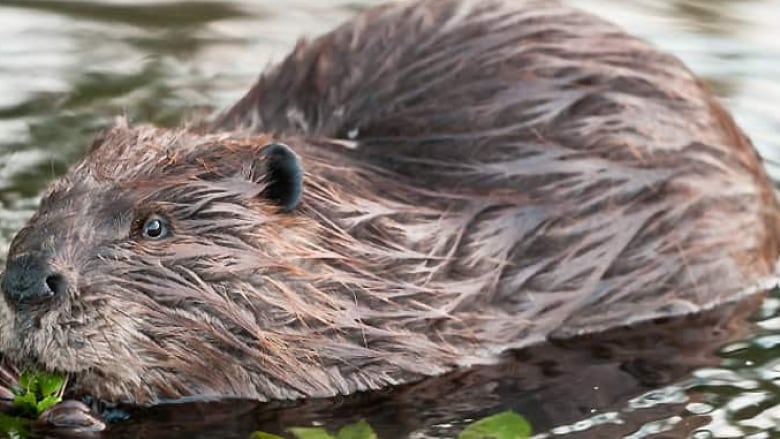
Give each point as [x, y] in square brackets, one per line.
[480, 176]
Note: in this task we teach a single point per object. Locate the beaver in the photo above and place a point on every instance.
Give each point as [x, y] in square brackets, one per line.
[428, 186]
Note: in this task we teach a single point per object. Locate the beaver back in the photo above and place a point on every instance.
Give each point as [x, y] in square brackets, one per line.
[598, 181]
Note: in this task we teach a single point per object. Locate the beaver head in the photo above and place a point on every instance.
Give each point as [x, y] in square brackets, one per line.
[137, 265]
[169, 263]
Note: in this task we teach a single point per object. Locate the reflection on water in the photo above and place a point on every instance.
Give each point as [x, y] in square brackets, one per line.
[68, 67]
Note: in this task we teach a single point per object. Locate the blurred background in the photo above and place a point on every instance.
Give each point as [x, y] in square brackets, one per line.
[68, 67]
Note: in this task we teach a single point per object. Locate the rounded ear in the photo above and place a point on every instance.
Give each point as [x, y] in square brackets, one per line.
[282, 174]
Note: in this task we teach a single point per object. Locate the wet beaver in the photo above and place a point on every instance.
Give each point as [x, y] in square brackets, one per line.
[427, 186]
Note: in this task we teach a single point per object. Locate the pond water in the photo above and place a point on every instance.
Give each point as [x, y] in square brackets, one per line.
[68, 67]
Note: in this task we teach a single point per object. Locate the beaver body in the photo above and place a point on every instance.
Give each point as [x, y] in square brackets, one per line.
[468, 177]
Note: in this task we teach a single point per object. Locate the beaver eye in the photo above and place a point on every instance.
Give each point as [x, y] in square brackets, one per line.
[154, 228]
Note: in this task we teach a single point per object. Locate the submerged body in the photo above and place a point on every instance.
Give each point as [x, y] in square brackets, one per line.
[468, 177]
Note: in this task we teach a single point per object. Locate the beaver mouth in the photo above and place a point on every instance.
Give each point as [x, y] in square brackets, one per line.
[30, 343]
[31, 361]
[11, 373]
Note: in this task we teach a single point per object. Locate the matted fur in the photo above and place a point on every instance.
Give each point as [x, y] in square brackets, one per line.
[480, 175]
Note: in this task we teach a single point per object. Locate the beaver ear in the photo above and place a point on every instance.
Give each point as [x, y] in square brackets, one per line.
[282, 175]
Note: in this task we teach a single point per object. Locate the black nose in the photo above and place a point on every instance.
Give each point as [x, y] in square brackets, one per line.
[29, 280]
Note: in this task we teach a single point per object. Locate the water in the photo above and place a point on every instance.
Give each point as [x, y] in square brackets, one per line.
[67, 68]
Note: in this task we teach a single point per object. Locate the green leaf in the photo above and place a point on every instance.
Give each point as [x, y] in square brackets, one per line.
[26, 403]
[50, 384]
[25, 400]
[27, 380]
[358, 430]
[504, 425]
[14, 427]
[46, 403]
[39, 391]
[310, 433]
[263, 435]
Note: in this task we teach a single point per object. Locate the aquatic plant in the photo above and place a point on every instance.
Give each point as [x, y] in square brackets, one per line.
[37, 391]
[504, 425]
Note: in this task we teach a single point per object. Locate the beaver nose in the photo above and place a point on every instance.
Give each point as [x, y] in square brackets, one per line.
[28, 280]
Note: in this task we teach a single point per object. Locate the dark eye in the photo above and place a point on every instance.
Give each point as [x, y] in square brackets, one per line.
[154, 228]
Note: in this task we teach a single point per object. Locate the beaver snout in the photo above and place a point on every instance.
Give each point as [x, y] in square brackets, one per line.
[30, 280]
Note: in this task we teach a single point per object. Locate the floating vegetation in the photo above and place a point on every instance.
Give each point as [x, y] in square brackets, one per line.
[504, 425]
[37, 392]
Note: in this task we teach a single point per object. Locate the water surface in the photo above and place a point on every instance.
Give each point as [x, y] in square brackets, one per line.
[68, 67]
